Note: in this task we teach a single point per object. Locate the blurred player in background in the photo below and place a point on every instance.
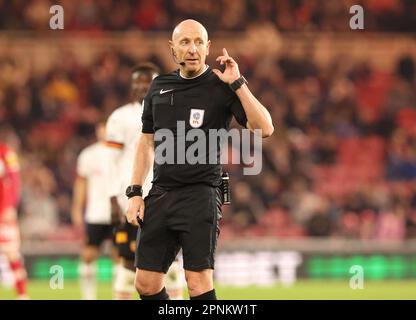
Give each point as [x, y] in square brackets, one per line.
[9, 231]
[123, 131]
[89, 188]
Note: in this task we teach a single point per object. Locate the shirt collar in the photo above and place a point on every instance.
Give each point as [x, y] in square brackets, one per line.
[188, 78]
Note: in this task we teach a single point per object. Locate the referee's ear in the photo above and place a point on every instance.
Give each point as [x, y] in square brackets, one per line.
[171, 45]
[172, 51]
[208, 45]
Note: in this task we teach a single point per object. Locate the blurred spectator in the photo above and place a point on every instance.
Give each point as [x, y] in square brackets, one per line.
[391, 224]
[301, 201]
[319, 225]
[39, 214]
[246, 209]
[401, 164]
[286, 15]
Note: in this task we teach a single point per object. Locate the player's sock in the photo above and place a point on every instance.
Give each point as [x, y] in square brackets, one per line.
[87, 272]
[162, 295]
[116, 280]
[123, 288]
[176, 294]
[20, 277]
[210, 295]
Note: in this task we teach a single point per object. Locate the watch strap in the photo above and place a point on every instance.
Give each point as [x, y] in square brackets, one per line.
[238, 83]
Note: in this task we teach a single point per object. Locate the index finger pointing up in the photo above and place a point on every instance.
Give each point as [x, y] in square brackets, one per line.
[224, 51]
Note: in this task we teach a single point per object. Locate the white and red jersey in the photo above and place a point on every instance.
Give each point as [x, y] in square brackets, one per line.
[124, 127]
[92, 166]
[9, 178]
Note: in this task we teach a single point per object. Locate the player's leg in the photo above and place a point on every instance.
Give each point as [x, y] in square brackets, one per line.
[125, 242]
[152, 263]
[160, 285]
[157, 246]
[124, 283]
[95, 235]
[10, 247]
[199, 244]
[19, 272]
[173, 281]
[88, 272]
[150, 285]
[200, 284]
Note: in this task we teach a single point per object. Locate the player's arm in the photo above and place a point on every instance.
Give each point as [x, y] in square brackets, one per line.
[114, 170]
[115, 148]
[142, 163]
[114, 155]
[79, 192]
[257, 115]
[78, 200]
[143, 158]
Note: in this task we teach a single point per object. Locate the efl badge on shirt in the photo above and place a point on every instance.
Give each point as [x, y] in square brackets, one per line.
[196, 118]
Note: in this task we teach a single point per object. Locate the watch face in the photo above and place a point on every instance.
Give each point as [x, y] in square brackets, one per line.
[133, 191]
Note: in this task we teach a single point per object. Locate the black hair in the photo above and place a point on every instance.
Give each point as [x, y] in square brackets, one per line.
[406, 68]
[146, 67]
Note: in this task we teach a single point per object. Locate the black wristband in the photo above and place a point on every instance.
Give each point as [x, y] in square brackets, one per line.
[134, 190]
[238, 83]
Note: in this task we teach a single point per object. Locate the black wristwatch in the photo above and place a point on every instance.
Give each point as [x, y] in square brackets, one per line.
[238, 83]
[134, 190]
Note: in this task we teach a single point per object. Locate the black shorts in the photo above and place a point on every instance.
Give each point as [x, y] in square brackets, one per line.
[125, 236]
[187, 218]
[96, 234]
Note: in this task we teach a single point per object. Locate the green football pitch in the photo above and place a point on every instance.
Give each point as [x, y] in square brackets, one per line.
[304, 289]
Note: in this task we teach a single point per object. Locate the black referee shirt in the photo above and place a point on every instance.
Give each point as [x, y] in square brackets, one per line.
[204, 102]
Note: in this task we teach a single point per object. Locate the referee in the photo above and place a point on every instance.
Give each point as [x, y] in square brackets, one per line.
[183, 208]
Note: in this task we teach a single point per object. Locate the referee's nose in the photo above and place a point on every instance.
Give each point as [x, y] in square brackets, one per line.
[192, 48]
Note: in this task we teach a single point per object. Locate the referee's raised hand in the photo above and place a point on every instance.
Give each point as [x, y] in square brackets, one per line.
[135, 210]
[231, 72]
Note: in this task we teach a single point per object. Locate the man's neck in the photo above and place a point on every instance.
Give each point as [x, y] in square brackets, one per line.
[193, 75]
[137, 102]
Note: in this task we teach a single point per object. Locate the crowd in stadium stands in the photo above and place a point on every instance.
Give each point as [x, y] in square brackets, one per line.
[342, 161]
[223, 15]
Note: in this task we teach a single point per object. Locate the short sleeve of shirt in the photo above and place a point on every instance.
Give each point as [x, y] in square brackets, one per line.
[147, 116]
[114, 129]
[82, 164]
[238, 111]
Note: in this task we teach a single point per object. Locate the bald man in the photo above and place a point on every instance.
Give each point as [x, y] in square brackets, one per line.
[183, 208]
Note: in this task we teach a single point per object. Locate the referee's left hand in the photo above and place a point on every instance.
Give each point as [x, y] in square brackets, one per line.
[231, 72]
[135, 209]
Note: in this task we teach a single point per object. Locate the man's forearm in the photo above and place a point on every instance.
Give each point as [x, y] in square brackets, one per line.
[257, 115]
[79, 198]
[114, 169]
[143, 159]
